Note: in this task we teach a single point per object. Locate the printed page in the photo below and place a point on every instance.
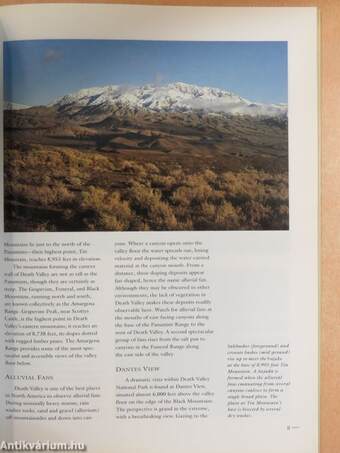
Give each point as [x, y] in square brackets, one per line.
[160, 229]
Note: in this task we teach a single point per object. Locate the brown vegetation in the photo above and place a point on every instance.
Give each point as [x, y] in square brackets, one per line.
[51, 188]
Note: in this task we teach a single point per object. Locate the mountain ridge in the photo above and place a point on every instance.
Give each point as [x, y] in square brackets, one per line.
[172, 97]
[7, 105]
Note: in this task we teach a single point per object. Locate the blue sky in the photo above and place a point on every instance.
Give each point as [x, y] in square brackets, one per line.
[37, 72]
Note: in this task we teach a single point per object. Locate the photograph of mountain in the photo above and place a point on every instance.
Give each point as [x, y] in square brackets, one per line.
[145, 135]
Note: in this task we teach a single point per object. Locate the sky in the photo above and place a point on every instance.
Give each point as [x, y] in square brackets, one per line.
[37, 72]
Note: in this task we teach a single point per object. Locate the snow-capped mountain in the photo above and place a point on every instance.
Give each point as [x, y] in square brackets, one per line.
[174, 97]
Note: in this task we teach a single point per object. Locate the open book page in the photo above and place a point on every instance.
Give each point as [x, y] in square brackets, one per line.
[160, 266]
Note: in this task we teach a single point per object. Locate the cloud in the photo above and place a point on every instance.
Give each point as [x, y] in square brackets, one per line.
[52, 55]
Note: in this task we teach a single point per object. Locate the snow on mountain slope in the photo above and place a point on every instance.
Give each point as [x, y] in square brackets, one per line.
[174, 97]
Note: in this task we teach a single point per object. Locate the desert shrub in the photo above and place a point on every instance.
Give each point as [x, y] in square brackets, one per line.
[258, 197]
[243, 186]
[253, 184]
[196, 190]
[75, 181]
[280, 218]
[74, 131]
[217, 197]
[177, 173]
[46, 179]
[247, 199]
[283, 211]
[130, 166]
[185, 225]
[62, 163]
[151, 168]
[256, 214]
[227, 217]
[105, 210]
[108, 222]
[138, 224]
[43, 195]
[143, 197]
[163, 182]
[210, 176]
[207, 210]
[83, 165]
[63, 196]
[216, 217]
[147, 203]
